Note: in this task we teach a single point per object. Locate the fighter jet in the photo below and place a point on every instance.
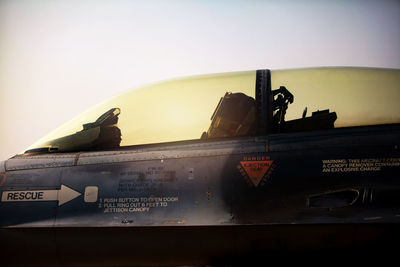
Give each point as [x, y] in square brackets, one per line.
[213, 169]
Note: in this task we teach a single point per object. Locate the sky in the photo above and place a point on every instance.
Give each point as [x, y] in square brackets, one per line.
[59, 58]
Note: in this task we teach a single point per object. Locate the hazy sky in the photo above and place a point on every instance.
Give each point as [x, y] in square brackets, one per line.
[58, 58]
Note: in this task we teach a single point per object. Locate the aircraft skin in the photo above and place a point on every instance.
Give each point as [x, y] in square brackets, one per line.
[222, 200]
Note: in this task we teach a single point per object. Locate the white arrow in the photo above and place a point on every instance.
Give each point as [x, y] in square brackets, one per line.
[63, 195]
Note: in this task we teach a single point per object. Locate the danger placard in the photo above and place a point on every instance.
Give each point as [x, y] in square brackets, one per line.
[257, 169]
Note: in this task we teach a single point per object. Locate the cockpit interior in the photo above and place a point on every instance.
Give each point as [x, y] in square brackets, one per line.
[243, 104]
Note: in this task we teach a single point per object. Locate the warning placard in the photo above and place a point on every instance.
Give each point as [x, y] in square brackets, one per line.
[256, 169]
[358, 165]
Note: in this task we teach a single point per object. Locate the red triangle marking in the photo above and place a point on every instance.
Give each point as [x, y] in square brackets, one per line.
[256, 169]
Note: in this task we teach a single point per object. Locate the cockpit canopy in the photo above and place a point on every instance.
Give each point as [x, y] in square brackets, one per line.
[230, 105]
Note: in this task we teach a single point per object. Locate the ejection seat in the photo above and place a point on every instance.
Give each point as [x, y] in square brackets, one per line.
[235, 115]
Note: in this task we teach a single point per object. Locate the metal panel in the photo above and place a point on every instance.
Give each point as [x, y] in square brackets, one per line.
[40, 161]
[173, 152]
[138, 188]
